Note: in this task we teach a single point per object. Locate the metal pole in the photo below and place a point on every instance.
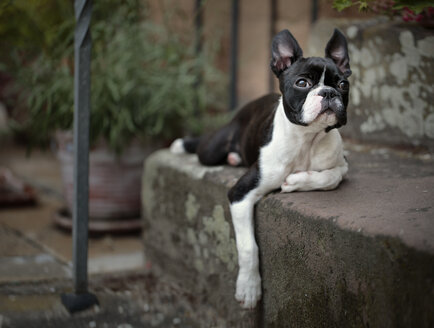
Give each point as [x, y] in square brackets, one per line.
[234, 55]
[273, 18]
[80, 212]
[198, 23]
[314, 12]
[82, 41]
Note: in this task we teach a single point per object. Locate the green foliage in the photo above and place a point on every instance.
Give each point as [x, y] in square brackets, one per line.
[32, 26]
[416, 6]
[342, 4]
[144, 81]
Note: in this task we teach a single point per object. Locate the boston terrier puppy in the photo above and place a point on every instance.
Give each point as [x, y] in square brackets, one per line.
[288, 141]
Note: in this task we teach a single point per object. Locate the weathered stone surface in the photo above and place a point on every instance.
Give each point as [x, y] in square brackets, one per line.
[392, 82]
[356, 256]
[187, 229]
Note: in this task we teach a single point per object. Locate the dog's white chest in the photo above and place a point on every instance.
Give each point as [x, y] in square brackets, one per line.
[296, 148]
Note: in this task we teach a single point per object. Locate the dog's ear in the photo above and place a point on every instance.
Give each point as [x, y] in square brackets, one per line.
[337, 50]
[284, 52]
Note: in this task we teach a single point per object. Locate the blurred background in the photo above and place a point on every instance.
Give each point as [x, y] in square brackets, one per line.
[159, 70]
[162, 69]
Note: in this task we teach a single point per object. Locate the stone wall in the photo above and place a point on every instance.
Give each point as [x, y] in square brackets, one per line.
[392, 83]
[358, 256]
[188, 235]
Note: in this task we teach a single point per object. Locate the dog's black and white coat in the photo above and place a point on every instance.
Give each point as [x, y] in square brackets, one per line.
[288, 141]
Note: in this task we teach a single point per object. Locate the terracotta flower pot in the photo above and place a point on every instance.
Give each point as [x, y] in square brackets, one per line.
[114, 184]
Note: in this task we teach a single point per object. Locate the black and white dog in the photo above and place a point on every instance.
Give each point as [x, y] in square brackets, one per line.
[288, 141]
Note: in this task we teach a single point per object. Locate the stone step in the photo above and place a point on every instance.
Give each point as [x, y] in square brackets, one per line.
[392, 82]
[358, 256]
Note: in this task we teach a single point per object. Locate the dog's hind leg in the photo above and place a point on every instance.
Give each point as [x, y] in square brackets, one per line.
[214, 148]
[185, 145]
[234, 159]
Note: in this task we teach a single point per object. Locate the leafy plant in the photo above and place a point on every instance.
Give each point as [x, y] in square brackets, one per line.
[144, 78]
[33, 26]
[409, 9]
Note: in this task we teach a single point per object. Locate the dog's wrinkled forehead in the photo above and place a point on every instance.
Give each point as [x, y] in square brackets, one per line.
[318, 70]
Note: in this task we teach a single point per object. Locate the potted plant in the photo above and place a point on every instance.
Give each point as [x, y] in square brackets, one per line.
[143, 93]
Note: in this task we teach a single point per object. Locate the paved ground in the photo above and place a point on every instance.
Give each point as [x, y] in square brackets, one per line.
[35, 262]
[126, 300]
[31, 230]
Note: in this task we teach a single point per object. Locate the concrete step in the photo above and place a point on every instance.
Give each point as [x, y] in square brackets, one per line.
[358, 256]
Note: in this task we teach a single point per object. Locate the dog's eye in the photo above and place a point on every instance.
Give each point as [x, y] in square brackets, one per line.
[303, 83]
[344, 85]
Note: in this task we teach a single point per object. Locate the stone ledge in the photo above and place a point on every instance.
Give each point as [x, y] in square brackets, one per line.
[359, 255]
[391, 84]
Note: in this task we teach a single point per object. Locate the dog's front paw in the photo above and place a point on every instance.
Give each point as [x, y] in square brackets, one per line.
[248, 291]
[295, 181]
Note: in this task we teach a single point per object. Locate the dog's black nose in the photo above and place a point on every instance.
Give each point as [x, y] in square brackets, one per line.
[328, 93]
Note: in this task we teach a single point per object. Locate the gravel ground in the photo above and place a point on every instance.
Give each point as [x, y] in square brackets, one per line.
[125, 300]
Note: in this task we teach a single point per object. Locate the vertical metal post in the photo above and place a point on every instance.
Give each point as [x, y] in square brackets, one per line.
[80, 211]
[198, 23]
[273, 18]
[234, 55]
[314, 11]
[82, 41]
